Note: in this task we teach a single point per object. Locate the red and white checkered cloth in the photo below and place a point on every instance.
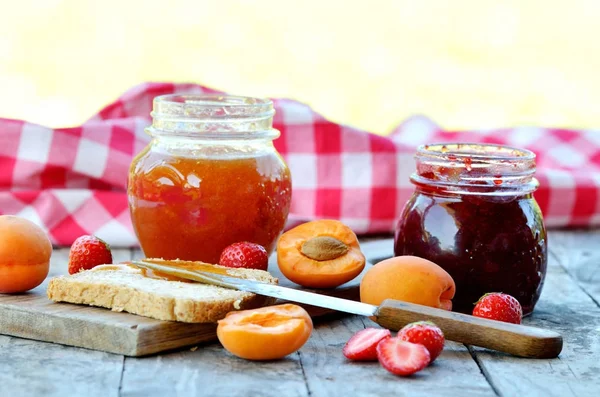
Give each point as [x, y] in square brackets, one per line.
[72, 181]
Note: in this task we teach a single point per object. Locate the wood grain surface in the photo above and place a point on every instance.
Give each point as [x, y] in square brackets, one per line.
[569, 309]
[328, 373]
[33, 316]
[569, 305]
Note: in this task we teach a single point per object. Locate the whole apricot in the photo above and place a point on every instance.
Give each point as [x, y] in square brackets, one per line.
[267, 333]
[25, 252]
[409, 279]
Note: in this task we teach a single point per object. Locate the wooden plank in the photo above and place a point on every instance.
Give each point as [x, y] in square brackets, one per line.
[211, 371]
[579, 253]
[563, 307]
[121, 333]
[33, 316]
[31, 368]
[322, 364]
[329, 373]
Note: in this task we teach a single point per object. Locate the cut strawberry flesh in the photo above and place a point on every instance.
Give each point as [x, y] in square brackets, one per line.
[402, 358]
[363, 345]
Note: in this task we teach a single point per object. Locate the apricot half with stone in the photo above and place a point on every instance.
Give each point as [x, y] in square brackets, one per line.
[320, 254]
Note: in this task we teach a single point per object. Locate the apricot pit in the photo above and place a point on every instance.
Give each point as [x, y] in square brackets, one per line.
[324, 248]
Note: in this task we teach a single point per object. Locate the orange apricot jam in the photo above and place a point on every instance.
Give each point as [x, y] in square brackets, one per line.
[132, 267]
[192, 194]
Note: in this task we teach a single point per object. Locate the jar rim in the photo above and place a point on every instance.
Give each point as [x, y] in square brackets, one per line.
[211, 107]
[482, 151]
[213, 116]
[475, 169]
[214, 100]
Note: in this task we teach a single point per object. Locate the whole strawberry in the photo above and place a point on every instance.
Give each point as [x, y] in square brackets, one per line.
[500, 307]
[88, 252]
[424, 333]
[245, 254]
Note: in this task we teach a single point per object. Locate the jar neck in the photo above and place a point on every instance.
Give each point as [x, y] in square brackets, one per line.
[475, 169]
[210, 118]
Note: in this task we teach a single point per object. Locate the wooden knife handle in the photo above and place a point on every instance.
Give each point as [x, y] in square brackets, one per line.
[518, 340]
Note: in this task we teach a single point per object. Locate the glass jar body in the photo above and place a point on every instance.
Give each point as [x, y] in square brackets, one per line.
[486, 245]
[191, 208]
[192, 195]
[473, 213]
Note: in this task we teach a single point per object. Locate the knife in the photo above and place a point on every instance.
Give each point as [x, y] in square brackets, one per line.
[515, 339]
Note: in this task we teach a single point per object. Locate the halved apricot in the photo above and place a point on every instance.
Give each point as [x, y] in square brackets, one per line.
[320, 254]
[267, 333]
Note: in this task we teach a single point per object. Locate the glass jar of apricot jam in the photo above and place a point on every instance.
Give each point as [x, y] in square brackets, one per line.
[210, 177]
[473, 213]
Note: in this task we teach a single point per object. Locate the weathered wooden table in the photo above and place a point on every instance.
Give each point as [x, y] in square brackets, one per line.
[570, 304]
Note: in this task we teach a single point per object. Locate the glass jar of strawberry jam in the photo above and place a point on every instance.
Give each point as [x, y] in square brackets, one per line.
[210, 177]
[473, 213]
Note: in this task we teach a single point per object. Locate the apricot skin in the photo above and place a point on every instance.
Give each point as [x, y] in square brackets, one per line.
[409, 279]
[25, 252]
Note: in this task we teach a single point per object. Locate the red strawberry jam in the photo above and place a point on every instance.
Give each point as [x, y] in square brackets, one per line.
[473, 213]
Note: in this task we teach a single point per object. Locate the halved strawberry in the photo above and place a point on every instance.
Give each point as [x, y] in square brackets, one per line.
[363, 344]
[402, 358]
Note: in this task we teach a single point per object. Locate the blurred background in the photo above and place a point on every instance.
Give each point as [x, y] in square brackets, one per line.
[464, 63]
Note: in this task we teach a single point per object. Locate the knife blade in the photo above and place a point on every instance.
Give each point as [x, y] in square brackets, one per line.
[519, 340]
[265, 289]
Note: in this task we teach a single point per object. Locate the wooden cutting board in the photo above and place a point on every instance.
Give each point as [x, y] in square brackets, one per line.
[33, 316]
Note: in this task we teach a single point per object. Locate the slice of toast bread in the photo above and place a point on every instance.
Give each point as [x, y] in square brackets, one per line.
[125, 288]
